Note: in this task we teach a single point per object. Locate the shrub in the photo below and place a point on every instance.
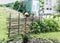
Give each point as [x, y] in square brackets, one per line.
[3, 41]
[57, 15]
[25, 37]
[45, 25]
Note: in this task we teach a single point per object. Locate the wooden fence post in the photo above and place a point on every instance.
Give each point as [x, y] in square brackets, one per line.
[9, 25]
[18, 22]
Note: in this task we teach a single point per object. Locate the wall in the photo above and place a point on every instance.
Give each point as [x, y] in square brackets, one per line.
[50, 5]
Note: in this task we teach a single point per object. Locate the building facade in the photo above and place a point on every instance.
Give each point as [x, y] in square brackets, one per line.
[36, 7]
[49, 6]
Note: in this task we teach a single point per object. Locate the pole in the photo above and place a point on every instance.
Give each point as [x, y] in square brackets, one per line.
[32, 21]
[18, 22]
[9, 25]
[25, 23]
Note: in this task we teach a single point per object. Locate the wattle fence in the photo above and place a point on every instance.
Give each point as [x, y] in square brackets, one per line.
[16, 25]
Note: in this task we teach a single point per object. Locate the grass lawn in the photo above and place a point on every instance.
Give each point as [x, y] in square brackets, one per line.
[50, 35]
[3, 22]
[3, 25]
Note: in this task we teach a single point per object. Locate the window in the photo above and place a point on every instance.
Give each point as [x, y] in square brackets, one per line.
[50, 8]
[47, 8]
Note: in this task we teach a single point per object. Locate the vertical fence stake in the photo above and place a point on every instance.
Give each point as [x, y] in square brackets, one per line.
[25, 24]
[18, 22]
[9, 25]
[32, 20]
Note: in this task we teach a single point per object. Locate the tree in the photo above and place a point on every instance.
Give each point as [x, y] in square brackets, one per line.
[20, 6]
[58, 6]
[41, 5]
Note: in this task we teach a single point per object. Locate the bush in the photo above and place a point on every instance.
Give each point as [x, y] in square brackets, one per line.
[45, 25]
[57, 15]
[25, 37]
[3, 41]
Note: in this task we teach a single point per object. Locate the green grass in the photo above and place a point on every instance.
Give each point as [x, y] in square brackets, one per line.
[3, 25]
[50, 35]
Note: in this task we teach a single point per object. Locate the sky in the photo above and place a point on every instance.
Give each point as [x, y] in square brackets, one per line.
[6, 1]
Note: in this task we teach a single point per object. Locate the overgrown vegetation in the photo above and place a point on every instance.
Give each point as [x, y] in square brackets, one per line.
[46, 25]
[3, 25]
[57, 15]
